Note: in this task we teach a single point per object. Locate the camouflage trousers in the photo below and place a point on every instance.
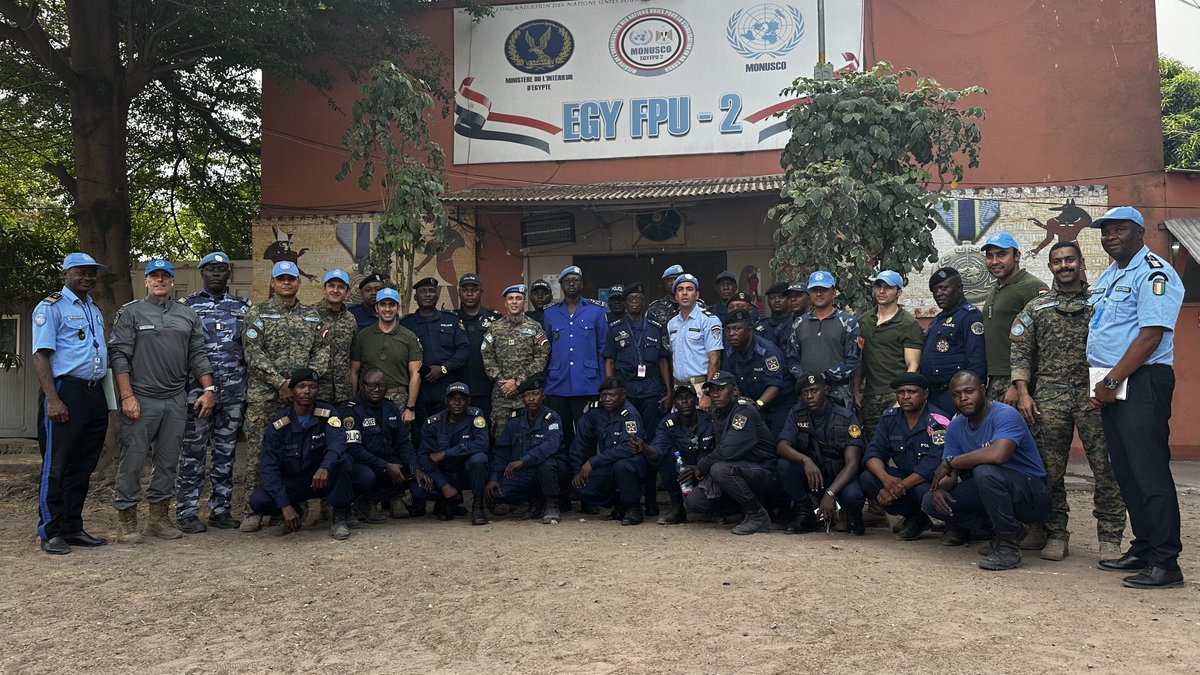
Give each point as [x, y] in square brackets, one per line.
[502, 410]
[399, 397]
[873, 407]
[997, 387]
[258, 413]
[1053, 432]
[221, 427]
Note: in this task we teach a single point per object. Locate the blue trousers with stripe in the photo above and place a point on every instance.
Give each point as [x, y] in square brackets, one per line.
[70, 451]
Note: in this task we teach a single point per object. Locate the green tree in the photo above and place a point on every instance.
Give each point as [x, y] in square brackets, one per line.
[867, 153]
[390, 126]
[1180, 113]
[176, 79]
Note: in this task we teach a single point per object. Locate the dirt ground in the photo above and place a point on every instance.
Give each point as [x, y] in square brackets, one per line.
[579, 597]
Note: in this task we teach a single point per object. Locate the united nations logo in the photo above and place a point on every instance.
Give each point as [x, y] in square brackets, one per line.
[765, 30]
[540, 46]
[968, 260]
[651, 42]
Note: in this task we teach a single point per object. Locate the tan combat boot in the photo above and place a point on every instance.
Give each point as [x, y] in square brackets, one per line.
[160, 524]
[127, 526]
[1055, 549]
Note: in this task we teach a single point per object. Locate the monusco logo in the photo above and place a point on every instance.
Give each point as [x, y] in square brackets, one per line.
[651, 42]
[540, 46]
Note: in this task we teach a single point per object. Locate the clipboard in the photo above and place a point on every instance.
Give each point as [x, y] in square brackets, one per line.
[110, 390]
[1097, 375]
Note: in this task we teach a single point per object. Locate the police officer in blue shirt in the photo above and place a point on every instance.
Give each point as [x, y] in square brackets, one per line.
[904, 453]
[954, 340]
[380, 445]
[304, 457]
[444, 345]
[684, 436]
[221, 315]
[70, 357]
[364, 312]
[1132, 335]
[577, 329]
[603, 459]
[776, 328]
[820, 454]
[760, 369]
[529, 462]
[454, 452]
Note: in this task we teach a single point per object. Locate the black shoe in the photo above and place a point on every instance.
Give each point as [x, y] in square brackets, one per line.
[586, 509]
[803, 521]
[956, 536]
[191, 525]
[478, 517]
[855, 524]
[675, 516]
[617, 513]
[1125, 563]
[1152, 577]
[441, 510]
[537, 508]
[651, 509]
[223, 521]
[85, 540]
[913, 527]
[1006, 553]
[56, 546]
[633, 516]
[417, 509]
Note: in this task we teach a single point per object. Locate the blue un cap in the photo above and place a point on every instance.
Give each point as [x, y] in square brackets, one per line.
[515, 288]
[821, 279]
[284, 268]
[672, 271]
[160, 265]
[685, 278]
[568, 271]
[336, 274]
[1120, 213]
[1001, 240]
[78, 259]
[387, 294]
[890, 278]
[214, 257]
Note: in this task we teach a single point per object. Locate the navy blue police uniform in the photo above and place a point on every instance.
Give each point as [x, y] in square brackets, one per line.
[602, 440]
[953, 342]
[295, 448]
[444, 347]
[465, 442]
[823, 438]
[762, 365]
[537, 444]
[905, 452]
[673, 436]
[375, 437]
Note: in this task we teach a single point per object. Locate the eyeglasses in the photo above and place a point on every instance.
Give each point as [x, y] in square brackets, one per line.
[373, 385]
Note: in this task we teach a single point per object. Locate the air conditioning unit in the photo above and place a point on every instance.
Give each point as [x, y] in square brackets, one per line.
[550, 228]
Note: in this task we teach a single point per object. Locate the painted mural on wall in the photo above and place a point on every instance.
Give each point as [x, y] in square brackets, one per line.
[318, 244]
[1038, 217]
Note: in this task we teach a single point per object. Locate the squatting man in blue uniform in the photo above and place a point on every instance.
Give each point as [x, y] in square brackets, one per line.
[454, 452]
[380, 445]
[529, 462]
[304, 457]
[605, 459]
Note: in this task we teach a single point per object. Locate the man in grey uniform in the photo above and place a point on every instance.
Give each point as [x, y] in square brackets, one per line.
[156, 345]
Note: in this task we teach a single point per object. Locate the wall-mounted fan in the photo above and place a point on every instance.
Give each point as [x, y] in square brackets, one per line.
[659, 225]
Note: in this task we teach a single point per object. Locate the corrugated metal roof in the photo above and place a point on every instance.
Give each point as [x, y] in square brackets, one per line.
[1186, 230]
[653, 191]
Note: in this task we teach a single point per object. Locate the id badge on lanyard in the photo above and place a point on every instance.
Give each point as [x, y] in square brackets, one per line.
[641, 370]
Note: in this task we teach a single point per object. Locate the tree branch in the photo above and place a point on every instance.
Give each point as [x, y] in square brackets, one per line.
[28, 34]
[62, 174]
[231, 141]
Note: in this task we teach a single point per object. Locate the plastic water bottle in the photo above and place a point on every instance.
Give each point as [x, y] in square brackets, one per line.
[687, 486]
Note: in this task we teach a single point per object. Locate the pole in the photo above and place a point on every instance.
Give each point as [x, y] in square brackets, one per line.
[822, 71]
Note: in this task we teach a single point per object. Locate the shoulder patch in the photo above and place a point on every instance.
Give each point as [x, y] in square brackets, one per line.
[348, 422]
[52, 298]
[553, 426]
[977, 328]
[1158, 282]
[938, 436]
[631, 427]
[251, 334]
[335, 422]
[739, 422]
[855, 431]
[772, 363]
[281, 422]
[479, 422]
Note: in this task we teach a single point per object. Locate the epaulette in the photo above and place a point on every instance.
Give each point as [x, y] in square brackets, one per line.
[656, 323]
[891, 411]
[129, 303]
[182, 301]
[549, 416]
[670, 422]
[321, 412]
[52, 298]
[281, 422]
[1152, 261]
[515, 412]
[744, 401]
[707, 313]
[624, 412]
[614, 322]
[473, 411]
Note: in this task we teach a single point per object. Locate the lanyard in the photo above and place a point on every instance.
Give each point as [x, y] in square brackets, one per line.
[637, 339]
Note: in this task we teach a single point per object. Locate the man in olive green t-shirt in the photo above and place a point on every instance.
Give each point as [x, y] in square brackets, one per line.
[892, 342]
[1014, 287]
[392, 348]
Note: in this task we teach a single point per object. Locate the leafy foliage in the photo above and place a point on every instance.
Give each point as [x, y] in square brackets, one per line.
[866, 155]
[388, 140]
[1180, 113]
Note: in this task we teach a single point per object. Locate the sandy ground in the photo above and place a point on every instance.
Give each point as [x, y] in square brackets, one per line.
[580, 597]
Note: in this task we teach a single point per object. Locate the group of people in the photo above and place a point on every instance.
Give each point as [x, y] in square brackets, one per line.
[802, 416]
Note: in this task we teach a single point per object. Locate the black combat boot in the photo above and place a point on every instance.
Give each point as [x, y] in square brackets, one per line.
[803, 520]
[855, 524]
[633, 515]
[1006, 552]
[676, 514]
[441, 509]
[477, 515]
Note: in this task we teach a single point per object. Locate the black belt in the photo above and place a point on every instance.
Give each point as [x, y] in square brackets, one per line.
[90, 384]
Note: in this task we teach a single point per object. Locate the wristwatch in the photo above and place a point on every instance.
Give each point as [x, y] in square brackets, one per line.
[759, 404]
[950, 462]
[1111, 384]
[211, 387]
[412, 408]
[444, 369]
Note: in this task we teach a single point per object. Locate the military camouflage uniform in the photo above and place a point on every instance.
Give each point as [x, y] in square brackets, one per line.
[277, 340]
[512, 350]
[221, 319]
[334, 387]
[1048, 340]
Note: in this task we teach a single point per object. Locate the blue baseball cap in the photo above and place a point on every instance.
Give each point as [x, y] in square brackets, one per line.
[1001, 240]
[284, 268]
[821, 279]
[797, 287]
[568, 271]
[1120, 213]
[214, 257]
[336, 274]
[78, 259]
[457, 388]
[515, 288]
[685, 278]
[890, 278]
[387, 294]
[160, 265]
[672, 271]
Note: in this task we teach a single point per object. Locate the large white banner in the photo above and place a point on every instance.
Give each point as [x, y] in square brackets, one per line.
[588, 79]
